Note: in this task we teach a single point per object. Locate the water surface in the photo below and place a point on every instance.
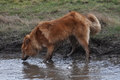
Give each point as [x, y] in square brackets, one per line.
[72, 68]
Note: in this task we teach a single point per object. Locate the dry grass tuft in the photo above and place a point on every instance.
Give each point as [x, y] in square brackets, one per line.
[10, 19]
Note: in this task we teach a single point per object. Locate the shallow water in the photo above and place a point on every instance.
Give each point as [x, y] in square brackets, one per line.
[72, 68]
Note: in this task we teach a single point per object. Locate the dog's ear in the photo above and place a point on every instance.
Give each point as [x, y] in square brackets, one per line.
[26, 40]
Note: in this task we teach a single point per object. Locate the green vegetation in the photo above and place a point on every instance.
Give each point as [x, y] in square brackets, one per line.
[19, 17]
[34, 8]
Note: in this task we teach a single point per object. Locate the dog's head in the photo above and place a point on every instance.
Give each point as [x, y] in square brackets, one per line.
[27, 48]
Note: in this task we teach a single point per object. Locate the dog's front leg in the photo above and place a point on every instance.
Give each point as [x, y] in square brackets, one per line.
[48, 56]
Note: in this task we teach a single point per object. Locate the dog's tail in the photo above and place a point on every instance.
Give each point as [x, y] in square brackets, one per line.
[95, 26]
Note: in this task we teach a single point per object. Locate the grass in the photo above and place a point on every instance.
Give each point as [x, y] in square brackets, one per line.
[19, 17]
[33, 8]
[113, 31]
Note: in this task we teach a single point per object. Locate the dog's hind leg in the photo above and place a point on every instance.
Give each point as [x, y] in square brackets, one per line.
[49, 54]
[83, 40]
[73, 41]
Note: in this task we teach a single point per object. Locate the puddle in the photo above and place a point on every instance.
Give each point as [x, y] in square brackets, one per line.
[72, 68]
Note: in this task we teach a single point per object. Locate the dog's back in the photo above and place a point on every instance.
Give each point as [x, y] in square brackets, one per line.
[64, 27]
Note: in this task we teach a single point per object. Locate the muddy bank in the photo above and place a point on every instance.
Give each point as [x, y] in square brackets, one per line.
[14, 46]
[103, 46]
[106, 45]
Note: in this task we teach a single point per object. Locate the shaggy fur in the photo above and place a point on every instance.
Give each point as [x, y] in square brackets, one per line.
[48, 33]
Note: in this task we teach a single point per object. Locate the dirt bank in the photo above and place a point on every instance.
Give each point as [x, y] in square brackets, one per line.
[104, 46]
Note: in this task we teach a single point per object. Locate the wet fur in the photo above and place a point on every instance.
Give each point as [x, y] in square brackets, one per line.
[48, 33]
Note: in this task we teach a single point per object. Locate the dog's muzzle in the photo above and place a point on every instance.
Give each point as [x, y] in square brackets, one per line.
[25, 58]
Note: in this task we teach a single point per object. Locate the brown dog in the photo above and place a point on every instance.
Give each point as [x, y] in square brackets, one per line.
[48, 33]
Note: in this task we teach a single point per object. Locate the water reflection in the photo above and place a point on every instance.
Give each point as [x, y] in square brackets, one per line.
[80, 72]
[61, 70]
[49, 72]
[32, 71]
